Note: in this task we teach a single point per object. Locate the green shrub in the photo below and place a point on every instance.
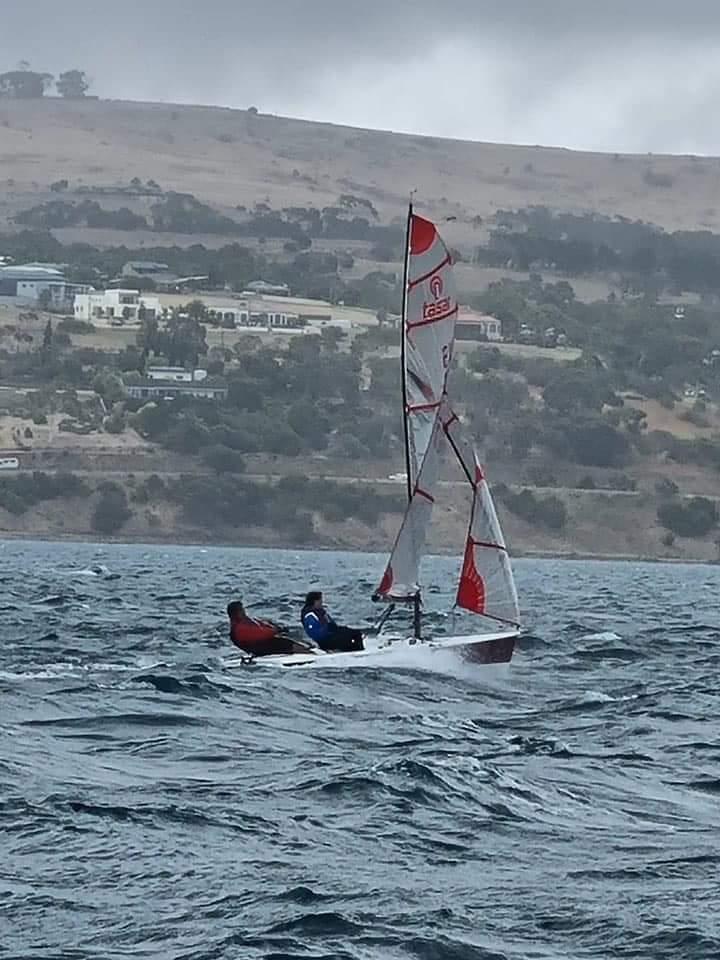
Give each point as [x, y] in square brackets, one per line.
[223, 459]
[695, 518]
[111, 511]
[539, 511]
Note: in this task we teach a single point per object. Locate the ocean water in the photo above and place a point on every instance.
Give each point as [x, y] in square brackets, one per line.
[155, 804]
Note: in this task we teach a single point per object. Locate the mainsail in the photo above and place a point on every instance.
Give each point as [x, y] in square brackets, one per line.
[429, 312]
[428, 334]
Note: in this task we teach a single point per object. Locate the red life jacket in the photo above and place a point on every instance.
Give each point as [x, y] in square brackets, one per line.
[258, 637]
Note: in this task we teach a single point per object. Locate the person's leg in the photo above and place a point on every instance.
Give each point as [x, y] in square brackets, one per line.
[344, 640]
[282, 646]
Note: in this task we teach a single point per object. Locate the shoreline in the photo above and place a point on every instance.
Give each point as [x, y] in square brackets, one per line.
[257, 544]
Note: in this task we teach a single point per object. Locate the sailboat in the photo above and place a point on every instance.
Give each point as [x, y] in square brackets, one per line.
[432, 429]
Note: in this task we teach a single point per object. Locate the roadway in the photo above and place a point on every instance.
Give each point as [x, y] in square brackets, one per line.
[122, 475]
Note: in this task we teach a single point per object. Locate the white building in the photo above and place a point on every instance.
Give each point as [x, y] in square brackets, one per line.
[275, 320]
[274, 289]
[29, 283]
[236, 316]
[477, 326]
[164, 390]
[242, 316]
[176, 374]
[125, 306]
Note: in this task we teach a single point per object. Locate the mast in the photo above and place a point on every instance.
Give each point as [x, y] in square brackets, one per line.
[416, 599]
[403, 351]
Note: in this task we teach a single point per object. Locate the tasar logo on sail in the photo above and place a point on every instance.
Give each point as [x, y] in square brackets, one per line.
[440, 305]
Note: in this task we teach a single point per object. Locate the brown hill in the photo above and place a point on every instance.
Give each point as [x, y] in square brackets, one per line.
[229, 157]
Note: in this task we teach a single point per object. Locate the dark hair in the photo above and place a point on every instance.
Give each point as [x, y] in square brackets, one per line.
[234, 607]
[310, 599]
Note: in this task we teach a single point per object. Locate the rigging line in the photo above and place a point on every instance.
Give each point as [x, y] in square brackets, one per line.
[452, 443]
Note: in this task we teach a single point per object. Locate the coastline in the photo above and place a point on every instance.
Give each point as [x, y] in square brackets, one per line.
[259, 544]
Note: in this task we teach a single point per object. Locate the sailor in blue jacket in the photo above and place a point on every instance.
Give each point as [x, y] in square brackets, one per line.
[320, 627]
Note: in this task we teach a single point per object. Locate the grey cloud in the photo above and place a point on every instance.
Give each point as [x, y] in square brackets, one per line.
[618, 74]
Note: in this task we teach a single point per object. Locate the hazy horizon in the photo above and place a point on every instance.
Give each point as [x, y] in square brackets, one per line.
[550, 72]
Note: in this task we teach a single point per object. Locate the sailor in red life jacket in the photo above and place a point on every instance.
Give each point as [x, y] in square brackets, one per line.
[260, 638]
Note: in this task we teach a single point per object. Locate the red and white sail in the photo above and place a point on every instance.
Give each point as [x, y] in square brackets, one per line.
[429, 314]
[401, 579]
[429, 333]
[487, 585]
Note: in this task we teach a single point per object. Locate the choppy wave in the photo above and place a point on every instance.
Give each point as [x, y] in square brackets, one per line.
[154, 803]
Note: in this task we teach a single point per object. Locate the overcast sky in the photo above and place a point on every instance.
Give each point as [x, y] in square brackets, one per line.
[619, 75]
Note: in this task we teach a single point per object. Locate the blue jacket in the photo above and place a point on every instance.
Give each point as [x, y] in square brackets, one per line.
[317, 624]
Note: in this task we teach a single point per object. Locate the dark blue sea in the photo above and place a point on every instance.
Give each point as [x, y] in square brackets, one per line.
[154, 804]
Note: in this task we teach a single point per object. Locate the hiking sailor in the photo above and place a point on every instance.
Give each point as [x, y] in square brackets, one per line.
[260, 638]
[320, 627]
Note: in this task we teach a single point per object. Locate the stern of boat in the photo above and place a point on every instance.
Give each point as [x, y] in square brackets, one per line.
[496, 650]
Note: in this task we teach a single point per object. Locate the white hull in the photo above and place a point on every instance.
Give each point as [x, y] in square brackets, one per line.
[388, 650]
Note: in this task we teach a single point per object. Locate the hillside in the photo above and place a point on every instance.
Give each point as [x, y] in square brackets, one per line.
[230, 157]
[600, 524]
[598, 409]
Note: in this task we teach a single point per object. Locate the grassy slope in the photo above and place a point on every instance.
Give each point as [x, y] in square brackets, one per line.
[229, 157]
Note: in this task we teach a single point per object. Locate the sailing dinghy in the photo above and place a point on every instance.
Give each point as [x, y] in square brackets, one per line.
[486, 586]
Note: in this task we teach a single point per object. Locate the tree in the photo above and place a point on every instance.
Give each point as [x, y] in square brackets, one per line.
[183, 340]
[575, 391]
[245, 394]
[330, 338]
[116, 422]
[666, 489]
[597, 444]
[696, 518]
[111, 511]
[44, 299]
[24, 84]
[223, 459]
[109, 386]
[47, 343]
[72, 84]
[149, 338]
[540, 511]
[196, 310]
